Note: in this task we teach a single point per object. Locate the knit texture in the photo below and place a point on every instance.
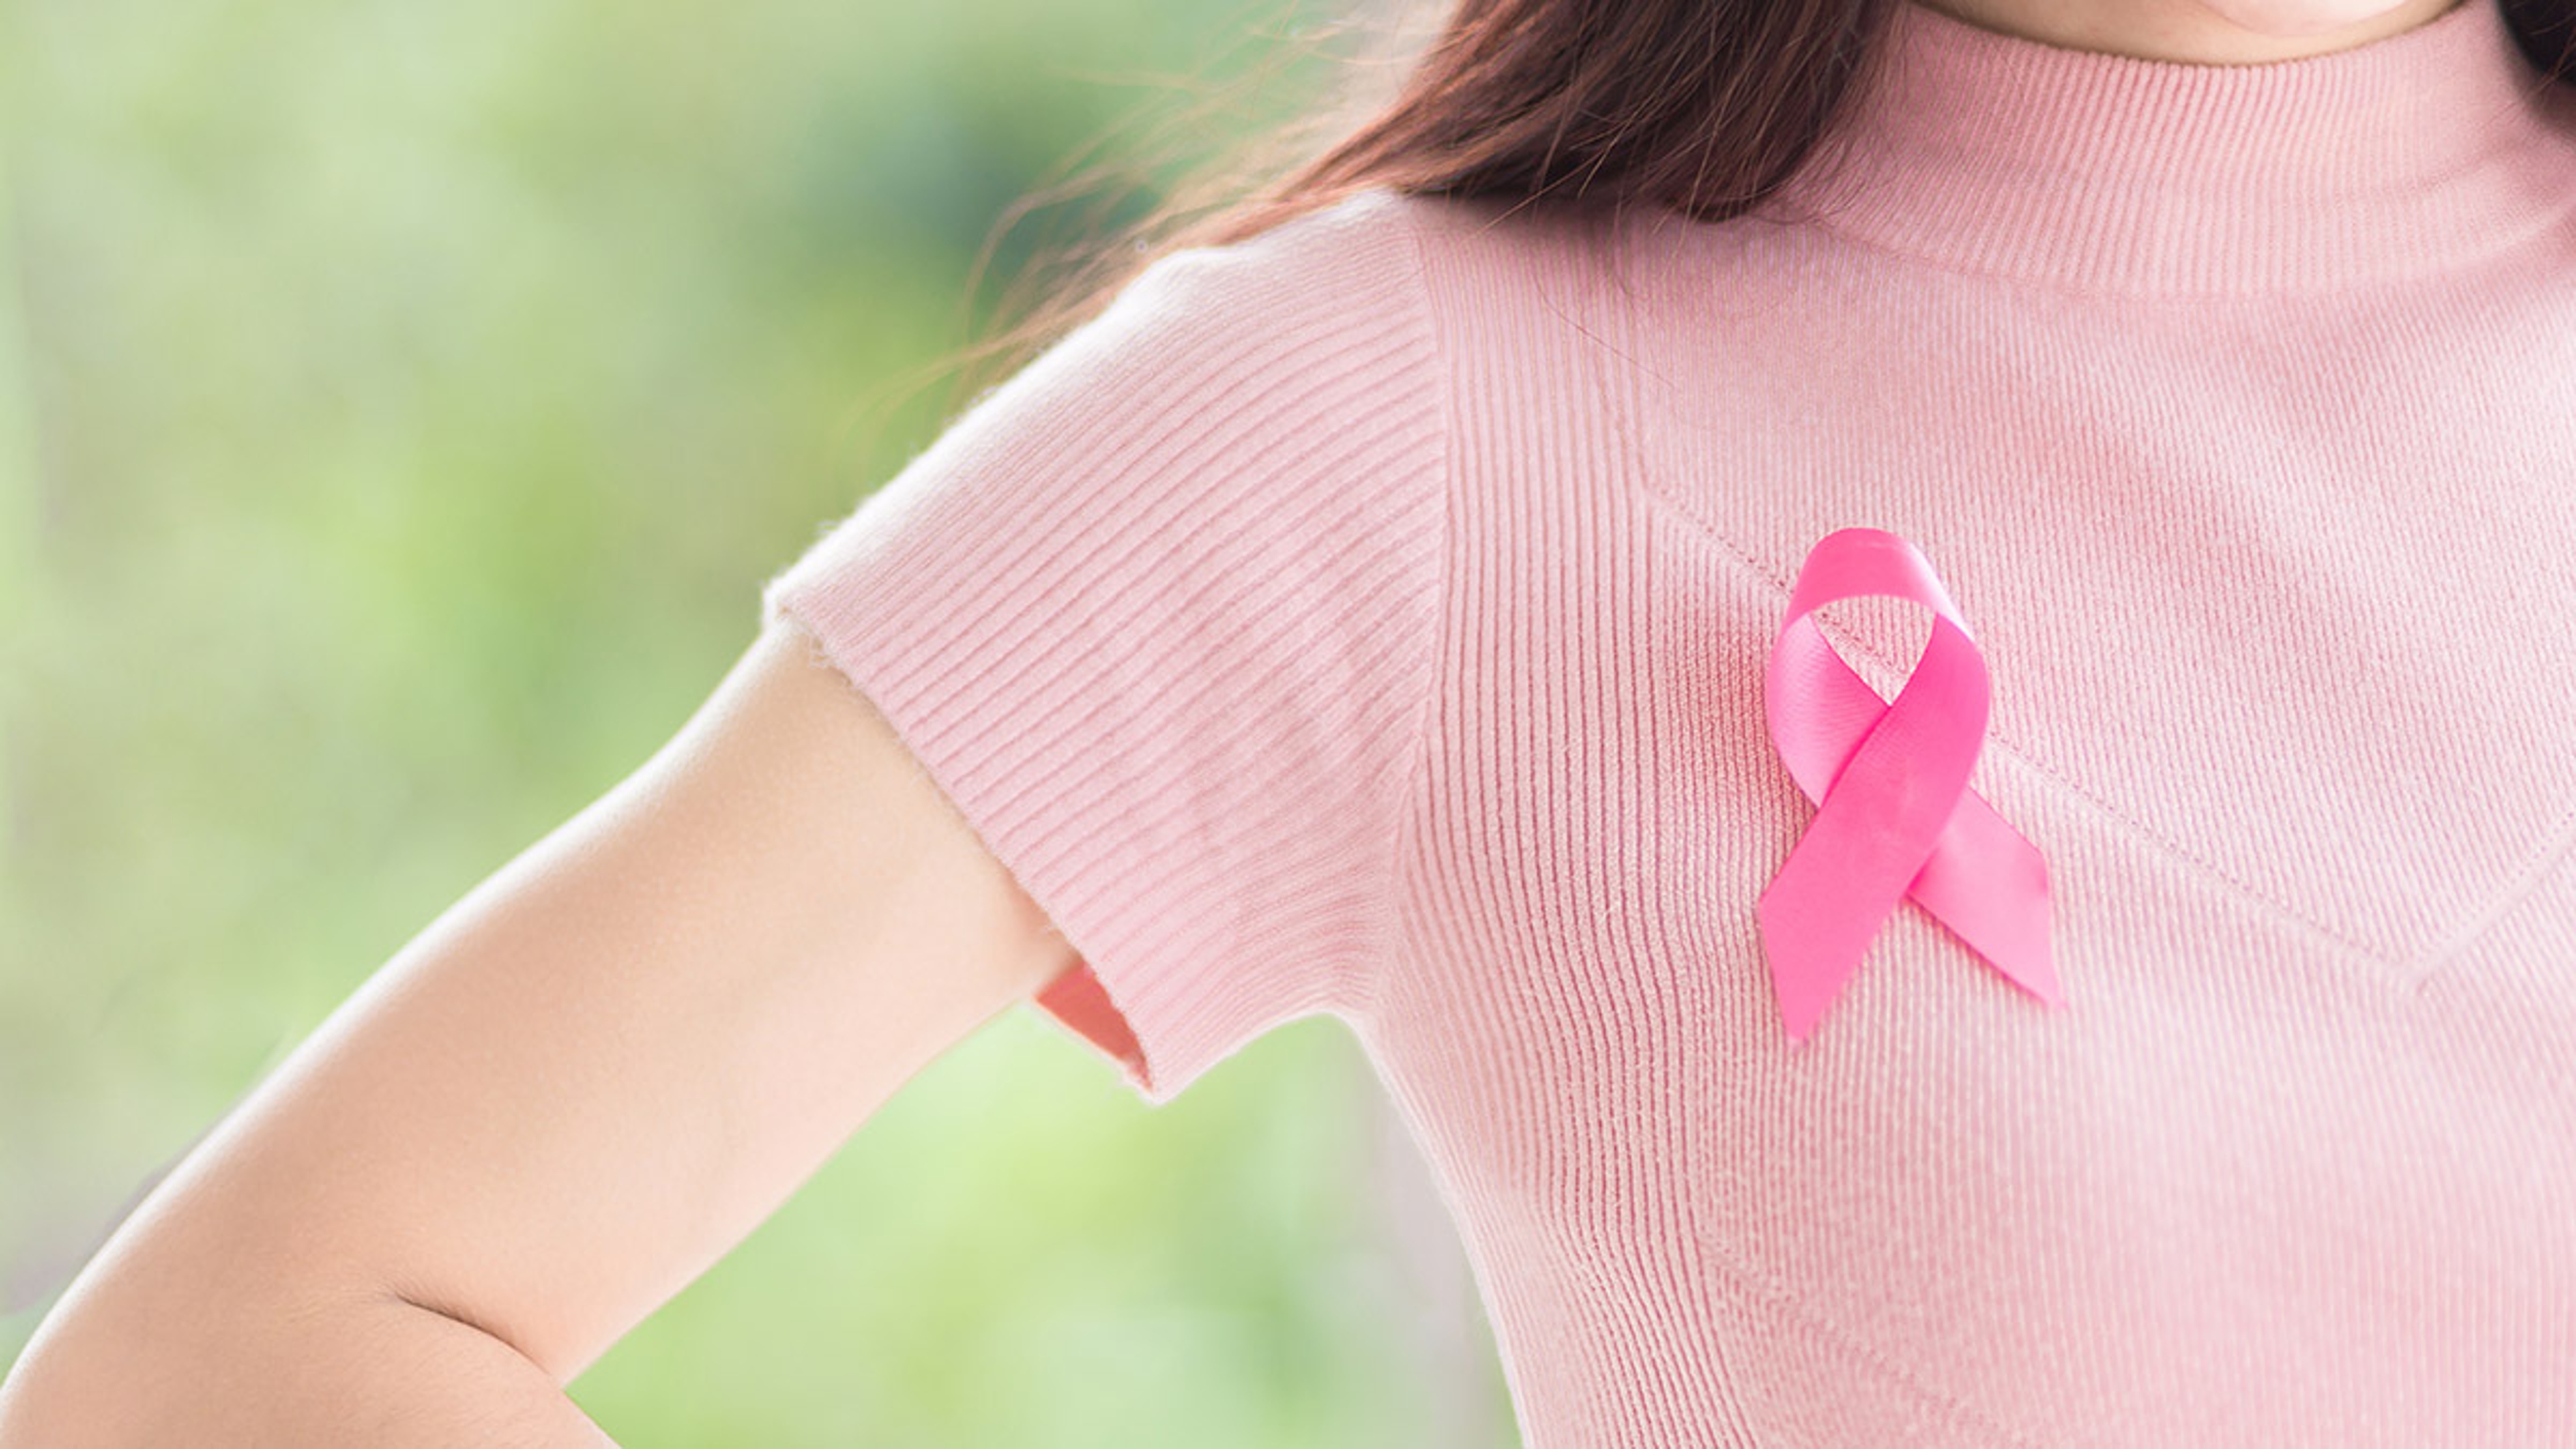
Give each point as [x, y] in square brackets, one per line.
[1368, 619]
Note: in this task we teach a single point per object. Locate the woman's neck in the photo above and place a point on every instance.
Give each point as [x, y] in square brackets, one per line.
[1987, 152]
[2200, 32]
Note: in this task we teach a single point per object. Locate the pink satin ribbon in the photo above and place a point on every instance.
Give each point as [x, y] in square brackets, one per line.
[1894, 816]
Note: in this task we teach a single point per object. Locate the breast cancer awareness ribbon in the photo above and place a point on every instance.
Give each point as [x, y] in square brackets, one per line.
[1894, 814]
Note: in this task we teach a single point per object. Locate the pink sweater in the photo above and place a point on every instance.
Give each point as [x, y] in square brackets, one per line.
[1370, 620]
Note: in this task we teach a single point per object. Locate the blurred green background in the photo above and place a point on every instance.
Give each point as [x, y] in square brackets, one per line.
[400, 405]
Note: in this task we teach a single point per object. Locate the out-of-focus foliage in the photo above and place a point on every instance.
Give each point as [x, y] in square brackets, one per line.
[400, 404]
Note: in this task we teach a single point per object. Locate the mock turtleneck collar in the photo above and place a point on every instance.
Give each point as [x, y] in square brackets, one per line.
[1995, 153]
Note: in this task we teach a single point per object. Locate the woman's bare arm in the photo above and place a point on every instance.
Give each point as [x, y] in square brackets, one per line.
[567, 1097]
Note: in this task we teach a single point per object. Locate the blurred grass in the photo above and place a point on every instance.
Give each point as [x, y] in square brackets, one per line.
[399, 407]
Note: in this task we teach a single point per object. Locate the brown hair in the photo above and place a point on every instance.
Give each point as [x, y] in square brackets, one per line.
[1588, 107]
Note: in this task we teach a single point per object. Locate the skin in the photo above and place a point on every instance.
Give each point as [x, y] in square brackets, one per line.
[2200, 32]
[563, 1100]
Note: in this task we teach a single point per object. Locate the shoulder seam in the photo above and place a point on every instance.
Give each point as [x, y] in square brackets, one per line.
[1417, 750]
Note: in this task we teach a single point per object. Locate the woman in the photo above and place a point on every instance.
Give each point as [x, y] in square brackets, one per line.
[1373, 611]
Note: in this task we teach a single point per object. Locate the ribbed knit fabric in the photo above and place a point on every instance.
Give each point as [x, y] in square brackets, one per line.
[1369, 619]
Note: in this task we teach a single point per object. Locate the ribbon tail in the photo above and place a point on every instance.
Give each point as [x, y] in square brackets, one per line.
[1988, 884]
[1830, 899]
[1812, 944]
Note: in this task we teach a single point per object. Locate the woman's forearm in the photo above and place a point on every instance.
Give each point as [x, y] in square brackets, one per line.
[368, 1371]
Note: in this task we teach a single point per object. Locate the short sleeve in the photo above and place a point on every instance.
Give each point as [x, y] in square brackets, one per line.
[1159, 614]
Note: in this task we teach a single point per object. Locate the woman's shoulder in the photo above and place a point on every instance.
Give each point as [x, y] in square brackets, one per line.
[1452, 234]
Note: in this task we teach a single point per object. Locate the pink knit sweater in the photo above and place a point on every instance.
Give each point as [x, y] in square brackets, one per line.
[1370, 619]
